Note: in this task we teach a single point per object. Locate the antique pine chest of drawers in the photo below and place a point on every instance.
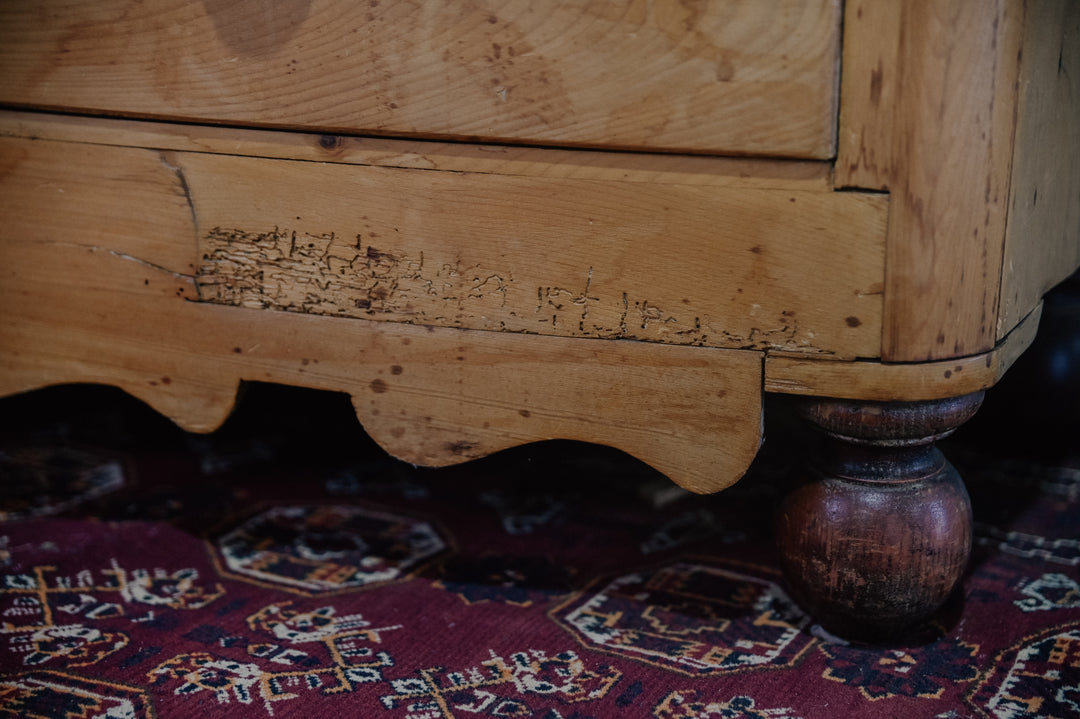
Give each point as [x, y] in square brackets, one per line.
[493, 222]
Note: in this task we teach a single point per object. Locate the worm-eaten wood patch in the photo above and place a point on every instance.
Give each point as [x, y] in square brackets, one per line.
[342, 275]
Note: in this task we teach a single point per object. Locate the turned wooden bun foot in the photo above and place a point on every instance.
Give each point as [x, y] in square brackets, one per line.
[876, 531]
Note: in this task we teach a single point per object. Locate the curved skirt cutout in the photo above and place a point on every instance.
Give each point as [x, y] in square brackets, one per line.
[431, 396]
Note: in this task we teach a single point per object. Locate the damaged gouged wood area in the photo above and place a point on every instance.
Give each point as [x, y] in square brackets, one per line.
[660, 263]
[430, 396]
[671, 250]
[97, 278]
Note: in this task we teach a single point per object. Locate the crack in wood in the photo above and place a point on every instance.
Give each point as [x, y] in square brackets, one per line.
[166, 160]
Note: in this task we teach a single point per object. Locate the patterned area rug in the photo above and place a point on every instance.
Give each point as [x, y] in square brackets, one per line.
[285, 567]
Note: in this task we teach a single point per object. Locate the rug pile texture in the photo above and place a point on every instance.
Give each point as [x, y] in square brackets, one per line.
[286, 567]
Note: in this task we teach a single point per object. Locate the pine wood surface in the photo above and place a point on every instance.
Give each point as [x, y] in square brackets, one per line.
[928, 114]
[470, 298]
[473, 297]
[882, 381]
[747, 173]
[726, 267]
[428, 396]
[1042, 239]
[86, 302]
[722, 268]
[156, 226]
[718, 77]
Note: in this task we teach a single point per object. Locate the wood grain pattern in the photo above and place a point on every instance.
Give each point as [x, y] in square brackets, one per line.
[732, 77]
[709, 265]
[428, 396]
[1042, 238]
[125, 201]
[746, 173]
[77, 309]
[660, 263]
[882, 381]
[927, 113]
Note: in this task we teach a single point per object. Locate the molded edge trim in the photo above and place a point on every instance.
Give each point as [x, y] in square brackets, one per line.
[882, 381]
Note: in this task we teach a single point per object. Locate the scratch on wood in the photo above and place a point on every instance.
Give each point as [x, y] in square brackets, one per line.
[151, 265]
[179, 172]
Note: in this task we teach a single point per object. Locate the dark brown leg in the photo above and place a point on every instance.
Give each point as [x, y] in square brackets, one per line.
[876, 535]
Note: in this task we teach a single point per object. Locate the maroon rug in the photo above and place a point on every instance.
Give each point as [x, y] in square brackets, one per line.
[284, 567]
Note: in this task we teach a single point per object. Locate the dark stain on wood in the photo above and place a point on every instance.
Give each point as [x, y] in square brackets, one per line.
[253, 29]
[378, 386]
[460, 448]
[330, 142]
[876, 80]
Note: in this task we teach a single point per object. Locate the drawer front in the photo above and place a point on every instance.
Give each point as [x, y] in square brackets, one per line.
[743, 77]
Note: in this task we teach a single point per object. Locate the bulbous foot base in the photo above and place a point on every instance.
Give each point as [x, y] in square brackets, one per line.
[876, 533]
